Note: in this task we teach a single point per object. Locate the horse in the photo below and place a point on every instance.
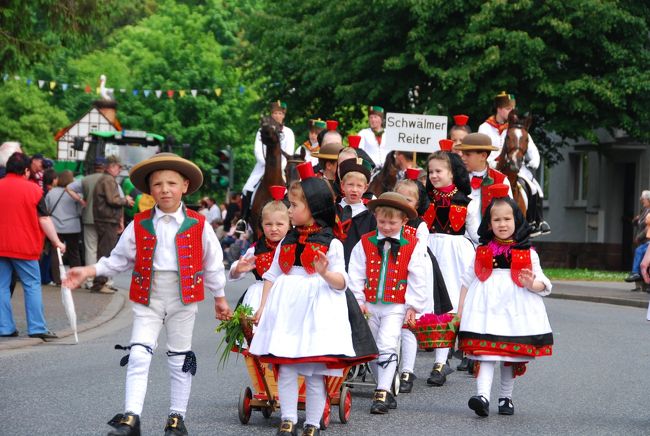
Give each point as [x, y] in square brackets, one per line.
[512, 156]
[290, 171]
[386, 178]
[271, 134]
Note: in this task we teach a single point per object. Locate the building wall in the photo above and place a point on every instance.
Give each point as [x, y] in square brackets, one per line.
[92, 121]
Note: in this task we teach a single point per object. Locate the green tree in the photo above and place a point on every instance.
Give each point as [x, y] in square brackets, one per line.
[577, 65]
[29, 118]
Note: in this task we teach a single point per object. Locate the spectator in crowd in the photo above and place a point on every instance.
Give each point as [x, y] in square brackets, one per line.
[108, 215]
[214, 213]
[6, 150]
[82, 191]
[49, 181]
[642, 222]
[65, 213]
[203, 207]
[24, 220]
[233, 211]
[36, 169]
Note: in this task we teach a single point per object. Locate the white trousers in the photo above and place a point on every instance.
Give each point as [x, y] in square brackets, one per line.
[485, 376]
[315, 400]
[165, 308]
[385, 323]
[409, 351]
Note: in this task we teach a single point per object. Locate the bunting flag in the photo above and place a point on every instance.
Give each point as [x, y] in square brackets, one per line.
[51, 85]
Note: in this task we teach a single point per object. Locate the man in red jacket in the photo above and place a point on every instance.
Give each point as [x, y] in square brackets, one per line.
[23, 223]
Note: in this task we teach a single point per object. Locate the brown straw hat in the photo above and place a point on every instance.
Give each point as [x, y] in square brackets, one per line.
[476, 142]
[329, 151]
[166, 161]
[394, 200]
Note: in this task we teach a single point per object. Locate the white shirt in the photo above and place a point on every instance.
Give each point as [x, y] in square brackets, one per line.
[532, 154]
[166, 226]
[369, 144]
[356, 208]
[288, 144]
[214, 214]
[416, 285]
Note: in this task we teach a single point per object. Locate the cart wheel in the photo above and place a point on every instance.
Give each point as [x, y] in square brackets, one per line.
[345, 405]
[396, 383]
[267, 412]
[325, 419]
[244, 406]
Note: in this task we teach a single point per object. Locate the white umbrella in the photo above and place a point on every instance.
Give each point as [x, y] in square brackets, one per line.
[66, 297]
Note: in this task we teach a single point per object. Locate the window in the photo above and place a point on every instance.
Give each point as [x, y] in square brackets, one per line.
[580, 177]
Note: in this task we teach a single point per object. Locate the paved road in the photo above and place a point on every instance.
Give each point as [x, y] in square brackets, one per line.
[596, 384]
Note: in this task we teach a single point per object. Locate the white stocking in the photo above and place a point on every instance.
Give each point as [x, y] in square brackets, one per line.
[441, 355]
[316, 399]
[507, 381]
[288, 393]
[137, 374]
[385, 373]
[180, 385]
[409, 350]
[484, 379]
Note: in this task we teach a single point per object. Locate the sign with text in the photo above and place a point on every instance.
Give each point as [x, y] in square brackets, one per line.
[413, 132]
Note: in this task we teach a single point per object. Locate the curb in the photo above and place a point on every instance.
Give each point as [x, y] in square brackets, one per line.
[606, 300]
[112, 309]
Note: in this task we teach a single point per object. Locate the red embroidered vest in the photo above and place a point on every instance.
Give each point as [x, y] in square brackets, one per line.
[386, 277]
[189, 252]
[497, 177]
[484, 263]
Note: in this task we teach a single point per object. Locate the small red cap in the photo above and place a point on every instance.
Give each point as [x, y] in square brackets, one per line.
[498, 190]
[306, 170]
[332, 124]
[354, 141]
[277, 192]
[412, 173]
[461, 120]
[446, 144]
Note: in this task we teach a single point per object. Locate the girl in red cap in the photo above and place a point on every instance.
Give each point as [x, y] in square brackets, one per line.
[275, 225]
[503, 317]
[305, 315]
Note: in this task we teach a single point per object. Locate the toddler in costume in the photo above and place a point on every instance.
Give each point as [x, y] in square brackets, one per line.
[388, 276]
[437, 300]
[175, 255]
[449, 217]
[275, 225]
[304, 316]
[503, 317]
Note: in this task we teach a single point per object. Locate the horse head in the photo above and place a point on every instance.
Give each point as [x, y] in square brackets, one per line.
[515, 144]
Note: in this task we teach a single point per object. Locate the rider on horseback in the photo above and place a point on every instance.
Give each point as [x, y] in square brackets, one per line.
[278, 111]
[496, 127]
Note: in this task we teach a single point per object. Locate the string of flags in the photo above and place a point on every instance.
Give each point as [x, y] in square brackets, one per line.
[51, 85]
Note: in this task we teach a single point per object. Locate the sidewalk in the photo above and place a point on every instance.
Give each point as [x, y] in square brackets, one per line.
[94, 309]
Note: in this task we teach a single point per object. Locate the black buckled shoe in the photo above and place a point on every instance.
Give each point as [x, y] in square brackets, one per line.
[310, 430]
[463, 365]
[480, 405]
[406, 382]
[175, 425]
[506, 407]
[380, 404]
[287, 428]
[437, 376]
[125, 424]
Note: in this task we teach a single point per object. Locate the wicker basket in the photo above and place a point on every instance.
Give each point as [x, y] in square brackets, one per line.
[436, 331]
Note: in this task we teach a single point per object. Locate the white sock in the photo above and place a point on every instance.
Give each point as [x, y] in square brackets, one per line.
[288, 393]
[441, 355]
[409, 350]
[386, 373]
[315, 399]
[484, 379]
[137, 374]
[507, 381]
[180, 385]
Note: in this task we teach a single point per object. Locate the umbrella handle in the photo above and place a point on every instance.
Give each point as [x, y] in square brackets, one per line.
[58, 252]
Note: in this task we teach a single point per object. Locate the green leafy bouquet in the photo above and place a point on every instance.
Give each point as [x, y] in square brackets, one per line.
[237, 331]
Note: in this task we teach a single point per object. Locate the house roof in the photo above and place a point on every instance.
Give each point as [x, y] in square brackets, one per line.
[65, 130]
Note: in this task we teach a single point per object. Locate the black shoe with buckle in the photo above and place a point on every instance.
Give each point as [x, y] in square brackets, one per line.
[406, 382]
[287, 428]
[175, 425]
[480, 405]
[310, 430]
[437, 376]
[125, 424]
[380, 404]
[506, 407]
